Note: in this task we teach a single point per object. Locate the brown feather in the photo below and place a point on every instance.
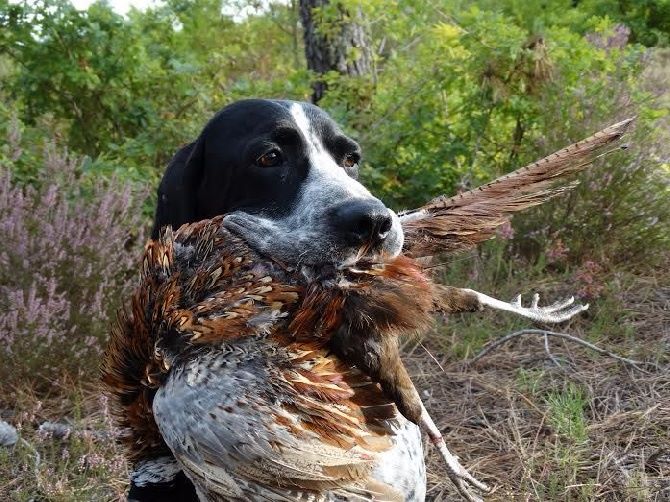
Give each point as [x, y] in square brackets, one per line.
[450, 224]
[202, 286]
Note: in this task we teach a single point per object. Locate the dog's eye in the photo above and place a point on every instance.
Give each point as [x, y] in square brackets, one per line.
[350, 160]
[270, 159]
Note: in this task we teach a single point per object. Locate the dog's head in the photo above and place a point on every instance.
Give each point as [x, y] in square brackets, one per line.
[286, 177]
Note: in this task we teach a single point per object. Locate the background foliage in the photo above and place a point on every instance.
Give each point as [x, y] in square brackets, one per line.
[93, 104]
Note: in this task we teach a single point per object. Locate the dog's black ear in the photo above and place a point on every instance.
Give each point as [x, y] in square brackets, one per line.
[177, 191]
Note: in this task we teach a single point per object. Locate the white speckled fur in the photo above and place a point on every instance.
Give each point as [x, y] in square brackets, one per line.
[403, 465]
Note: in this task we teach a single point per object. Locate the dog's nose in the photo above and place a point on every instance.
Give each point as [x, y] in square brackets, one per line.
[362, 221]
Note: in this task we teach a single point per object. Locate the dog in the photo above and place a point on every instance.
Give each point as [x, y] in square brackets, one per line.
[286, 177]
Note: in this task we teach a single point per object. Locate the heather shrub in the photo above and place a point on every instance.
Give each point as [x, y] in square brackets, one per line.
[68, 252]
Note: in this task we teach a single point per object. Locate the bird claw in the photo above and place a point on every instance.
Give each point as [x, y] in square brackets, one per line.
[556, 312]
[462, 479]
[465, 483]
[559, 311]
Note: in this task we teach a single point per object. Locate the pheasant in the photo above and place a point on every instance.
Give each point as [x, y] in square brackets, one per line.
[220, 342]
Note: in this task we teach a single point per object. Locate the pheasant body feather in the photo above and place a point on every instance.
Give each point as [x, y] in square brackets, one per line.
[219, 337]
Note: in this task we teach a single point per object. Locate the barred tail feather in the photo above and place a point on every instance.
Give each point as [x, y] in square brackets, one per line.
[451, 224]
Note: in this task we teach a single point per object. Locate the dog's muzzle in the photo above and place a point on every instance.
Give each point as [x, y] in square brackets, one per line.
[368, 227]
[362, 222]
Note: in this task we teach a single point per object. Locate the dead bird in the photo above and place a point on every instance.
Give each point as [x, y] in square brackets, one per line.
[221, 342]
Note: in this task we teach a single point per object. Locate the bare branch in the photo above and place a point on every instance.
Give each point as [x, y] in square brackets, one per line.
[544, 333]
[548, 351]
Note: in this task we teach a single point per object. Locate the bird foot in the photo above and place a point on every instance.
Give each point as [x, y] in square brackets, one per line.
[554, 313]
[466, 484]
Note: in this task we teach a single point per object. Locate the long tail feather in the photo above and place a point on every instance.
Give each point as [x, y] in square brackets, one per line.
[450, 224]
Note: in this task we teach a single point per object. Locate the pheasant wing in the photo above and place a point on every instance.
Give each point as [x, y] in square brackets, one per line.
[450, 224]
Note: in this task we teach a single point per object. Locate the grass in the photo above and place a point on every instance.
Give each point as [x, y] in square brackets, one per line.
[565, 409]
[78, 462]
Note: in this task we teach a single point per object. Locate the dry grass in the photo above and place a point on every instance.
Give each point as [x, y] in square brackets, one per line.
[589, 429]
[80, 464]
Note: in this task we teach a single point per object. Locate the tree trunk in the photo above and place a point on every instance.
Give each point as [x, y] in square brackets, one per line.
[336, 42]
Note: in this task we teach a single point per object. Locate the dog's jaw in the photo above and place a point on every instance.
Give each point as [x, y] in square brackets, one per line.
[303, 244]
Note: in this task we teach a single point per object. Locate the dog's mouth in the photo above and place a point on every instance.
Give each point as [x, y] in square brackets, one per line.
[318, 253]
[368, 255]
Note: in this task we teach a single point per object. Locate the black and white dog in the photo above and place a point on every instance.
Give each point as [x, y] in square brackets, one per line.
[284, 174]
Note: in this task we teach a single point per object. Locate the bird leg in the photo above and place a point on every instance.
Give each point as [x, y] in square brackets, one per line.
[463, 480]
[554, 313]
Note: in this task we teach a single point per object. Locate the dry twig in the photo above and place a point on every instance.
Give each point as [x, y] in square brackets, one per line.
[544, 333]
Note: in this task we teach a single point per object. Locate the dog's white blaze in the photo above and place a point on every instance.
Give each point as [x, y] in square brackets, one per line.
[324, 173]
